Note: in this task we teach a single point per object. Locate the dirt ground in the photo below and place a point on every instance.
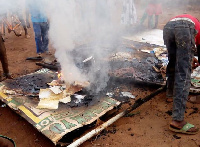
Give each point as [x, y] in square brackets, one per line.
[147, 128]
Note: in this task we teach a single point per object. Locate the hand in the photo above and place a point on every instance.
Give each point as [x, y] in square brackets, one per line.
[195, 63]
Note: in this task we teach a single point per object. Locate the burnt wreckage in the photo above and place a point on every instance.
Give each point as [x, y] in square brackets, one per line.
[119, 67]
[127, 64]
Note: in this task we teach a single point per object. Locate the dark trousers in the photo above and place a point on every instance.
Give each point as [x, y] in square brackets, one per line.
[150, 21]
[3, 56]
[179, 38]
[41, 36]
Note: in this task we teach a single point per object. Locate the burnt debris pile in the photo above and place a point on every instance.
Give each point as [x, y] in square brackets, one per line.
[129, 64]
[138, 70]
[30, 84]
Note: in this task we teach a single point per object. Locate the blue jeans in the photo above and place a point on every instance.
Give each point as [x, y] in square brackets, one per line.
[179, 39]
[41, 36]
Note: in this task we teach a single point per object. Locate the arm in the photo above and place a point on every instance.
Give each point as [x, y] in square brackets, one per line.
[195, 62]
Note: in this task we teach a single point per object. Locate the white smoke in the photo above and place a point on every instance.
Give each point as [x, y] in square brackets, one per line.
[62, 33]
[74, 22]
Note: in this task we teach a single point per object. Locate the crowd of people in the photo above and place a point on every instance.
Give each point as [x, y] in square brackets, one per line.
[182, 39]
[40, 27]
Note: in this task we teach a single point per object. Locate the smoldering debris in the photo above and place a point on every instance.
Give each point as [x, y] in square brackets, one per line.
[128, 94]
[30, 84]
[139, 70]
[125, 63]
[84, 23]
[130, 65]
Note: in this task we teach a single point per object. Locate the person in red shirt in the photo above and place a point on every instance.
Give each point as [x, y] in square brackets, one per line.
[182, 37]
[154, 8]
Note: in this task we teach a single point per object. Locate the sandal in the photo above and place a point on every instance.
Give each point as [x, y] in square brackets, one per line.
[194, 99]
[169, 100]
[184, 129]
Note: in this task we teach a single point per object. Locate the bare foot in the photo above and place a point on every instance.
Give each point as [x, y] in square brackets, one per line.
[194, 99]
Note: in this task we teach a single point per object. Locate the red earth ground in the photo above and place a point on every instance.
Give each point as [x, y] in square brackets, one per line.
[148, 128]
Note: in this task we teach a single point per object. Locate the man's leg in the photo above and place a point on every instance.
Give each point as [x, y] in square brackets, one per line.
[38, 37]
[150, 19]
[156, 21]
[144, 16]
[24, 26]
[2, 28]
[182, 71]
[169, 39]
[3, 31]
[3, 57]
[184, 54]
[171, 72]
[20, 17]
[27, 18]
[45, 38]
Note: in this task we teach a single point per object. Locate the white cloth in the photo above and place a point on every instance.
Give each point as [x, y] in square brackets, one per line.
[128, 15]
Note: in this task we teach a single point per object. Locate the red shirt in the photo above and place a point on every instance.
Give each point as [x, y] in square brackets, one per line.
[154, 9]
[197, 25]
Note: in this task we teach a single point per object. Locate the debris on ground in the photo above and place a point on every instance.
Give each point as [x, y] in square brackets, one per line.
[176, 137]
[128, 94]
[132, 114]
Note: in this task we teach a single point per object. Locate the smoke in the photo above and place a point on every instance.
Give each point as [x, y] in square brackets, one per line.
[77, 22]
[63, 33]
[73, 23]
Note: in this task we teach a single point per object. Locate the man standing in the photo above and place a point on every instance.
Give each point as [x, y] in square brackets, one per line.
[154, 8]
[129, 15]
[181, 36]
[3, 58]
[40, 26]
